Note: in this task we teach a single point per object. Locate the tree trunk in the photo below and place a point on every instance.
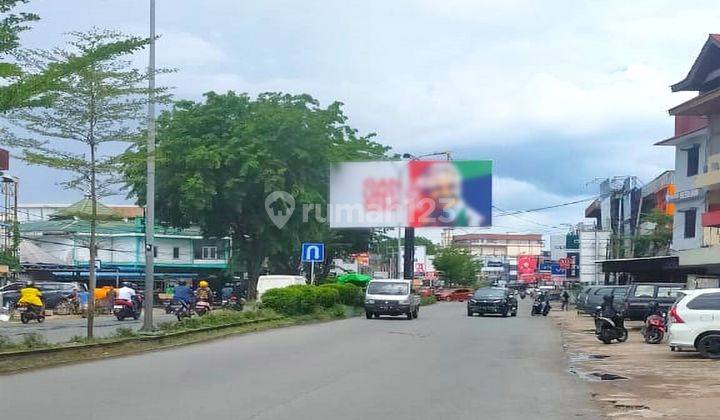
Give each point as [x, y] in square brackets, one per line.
[253, 263]
[93, 246]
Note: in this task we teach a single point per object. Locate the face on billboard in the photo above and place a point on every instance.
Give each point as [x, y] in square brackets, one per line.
[415, 193]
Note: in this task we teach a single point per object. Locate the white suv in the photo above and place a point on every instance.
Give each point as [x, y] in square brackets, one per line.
[694, 322]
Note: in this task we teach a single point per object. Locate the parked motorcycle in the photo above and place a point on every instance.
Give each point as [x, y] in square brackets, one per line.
[654, 329]
[608, 329]
[127, 308]
[30, 312]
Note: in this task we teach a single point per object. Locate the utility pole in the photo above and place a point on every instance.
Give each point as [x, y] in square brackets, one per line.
[150, 200]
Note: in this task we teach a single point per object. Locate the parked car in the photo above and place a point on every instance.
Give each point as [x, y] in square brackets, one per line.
[695, 322]
[581, 297]
[492, 300]
[639, 295]
[53, 292]
[391, 297]
[594, 298]
[459, 295]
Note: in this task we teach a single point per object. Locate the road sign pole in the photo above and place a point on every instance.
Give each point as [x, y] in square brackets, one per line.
[312, 272]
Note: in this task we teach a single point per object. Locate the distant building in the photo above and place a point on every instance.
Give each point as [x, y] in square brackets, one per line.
[499, 251]
[696, 236]
[38, 212]
[121, 248]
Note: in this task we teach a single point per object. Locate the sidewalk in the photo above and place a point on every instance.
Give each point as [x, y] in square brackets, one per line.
[659, 384]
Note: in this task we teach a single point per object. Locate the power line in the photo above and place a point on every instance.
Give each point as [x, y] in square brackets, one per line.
[570, 203]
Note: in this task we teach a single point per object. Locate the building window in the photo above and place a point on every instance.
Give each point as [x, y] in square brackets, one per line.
[155, 252]
[176, 253]
[693, 160]
[209, 253]
[690, 220]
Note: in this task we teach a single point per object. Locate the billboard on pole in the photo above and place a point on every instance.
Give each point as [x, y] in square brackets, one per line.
[411, 193]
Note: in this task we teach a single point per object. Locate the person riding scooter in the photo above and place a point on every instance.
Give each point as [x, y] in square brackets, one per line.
[31, 298]
[609, 323]
[127, 292]
[204, 298]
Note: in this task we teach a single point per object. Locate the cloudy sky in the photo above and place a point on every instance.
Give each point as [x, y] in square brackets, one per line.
[557, 93]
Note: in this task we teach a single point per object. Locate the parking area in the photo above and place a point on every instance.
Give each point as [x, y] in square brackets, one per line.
[640, 380]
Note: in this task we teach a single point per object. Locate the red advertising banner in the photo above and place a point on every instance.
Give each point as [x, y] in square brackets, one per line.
[527, 264]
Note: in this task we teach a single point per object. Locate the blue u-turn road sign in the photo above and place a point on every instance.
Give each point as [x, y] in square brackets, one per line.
[313, 252]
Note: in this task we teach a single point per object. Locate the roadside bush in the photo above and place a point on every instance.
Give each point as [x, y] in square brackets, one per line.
[300, 299]
[349, 293]
[327, 297]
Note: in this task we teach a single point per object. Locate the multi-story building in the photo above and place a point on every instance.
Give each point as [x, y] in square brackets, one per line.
[500, 250]
[696, 236]
[121, 249]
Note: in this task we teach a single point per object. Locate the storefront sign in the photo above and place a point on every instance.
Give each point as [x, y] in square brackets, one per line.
[684, 195]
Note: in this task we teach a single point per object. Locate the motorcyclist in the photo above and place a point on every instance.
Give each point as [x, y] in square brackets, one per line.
[31, 297]
[607, 310]
[127, 292]
[203, 292]
[183, 293]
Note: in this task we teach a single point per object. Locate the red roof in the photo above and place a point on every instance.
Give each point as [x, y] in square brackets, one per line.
[497, 236]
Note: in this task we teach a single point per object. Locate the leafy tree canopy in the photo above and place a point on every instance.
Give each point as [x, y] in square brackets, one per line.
[218, 160]
[456, 266]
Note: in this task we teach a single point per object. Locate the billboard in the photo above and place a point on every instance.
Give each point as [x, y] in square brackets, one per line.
[411, 193]
[527, 264]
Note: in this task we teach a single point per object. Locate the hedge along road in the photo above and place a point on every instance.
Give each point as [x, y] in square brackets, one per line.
[441, 365]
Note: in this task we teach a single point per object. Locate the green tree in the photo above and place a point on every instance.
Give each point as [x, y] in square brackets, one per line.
[22, 87]
[91, 111]
[456, 266]
[219, 159]
[657, 241]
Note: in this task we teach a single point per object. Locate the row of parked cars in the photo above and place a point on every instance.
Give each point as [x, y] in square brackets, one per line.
[631, 300]
[53, 292]
[693, 316]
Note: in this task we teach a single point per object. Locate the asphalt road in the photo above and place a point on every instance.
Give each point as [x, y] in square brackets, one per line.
[59, 329]
[443, 365]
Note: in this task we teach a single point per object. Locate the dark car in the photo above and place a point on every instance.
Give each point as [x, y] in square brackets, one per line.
[492, 300]
[594, 298]
[635, 304]
[53, 292]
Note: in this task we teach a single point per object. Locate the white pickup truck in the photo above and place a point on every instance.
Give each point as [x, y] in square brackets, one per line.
[391, 297]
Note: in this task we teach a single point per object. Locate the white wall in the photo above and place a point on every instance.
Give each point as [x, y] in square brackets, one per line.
[684, 183]
[593, 247]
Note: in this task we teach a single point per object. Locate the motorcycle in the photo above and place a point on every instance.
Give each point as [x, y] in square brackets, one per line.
[233, 303]
[654, 329]
[608, 329]
[127, 308]
[540, 308]
[202, 307]
[30, 312]
[181, 310]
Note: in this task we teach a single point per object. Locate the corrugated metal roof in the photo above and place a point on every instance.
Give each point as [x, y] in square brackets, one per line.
[117, 227]
[29, 253]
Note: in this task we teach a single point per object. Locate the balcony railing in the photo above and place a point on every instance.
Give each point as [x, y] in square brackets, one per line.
[711, 176]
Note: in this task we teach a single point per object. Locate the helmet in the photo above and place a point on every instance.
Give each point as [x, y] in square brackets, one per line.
[203, 283]
[127, 284]
[30, 284]
[182, 283]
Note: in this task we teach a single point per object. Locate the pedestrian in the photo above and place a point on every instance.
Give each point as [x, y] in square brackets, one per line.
[565, 297]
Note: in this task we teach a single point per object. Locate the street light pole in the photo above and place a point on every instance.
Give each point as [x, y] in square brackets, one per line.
[150, 200]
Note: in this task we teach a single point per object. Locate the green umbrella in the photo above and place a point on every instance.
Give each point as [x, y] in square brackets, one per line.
[354, 278]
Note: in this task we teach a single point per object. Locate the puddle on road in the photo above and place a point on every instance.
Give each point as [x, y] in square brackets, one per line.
[587, 375]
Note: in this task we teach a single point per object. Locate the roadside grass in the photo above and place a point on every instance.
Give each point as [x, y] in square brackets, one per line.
[18, 356]
[427, 300]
